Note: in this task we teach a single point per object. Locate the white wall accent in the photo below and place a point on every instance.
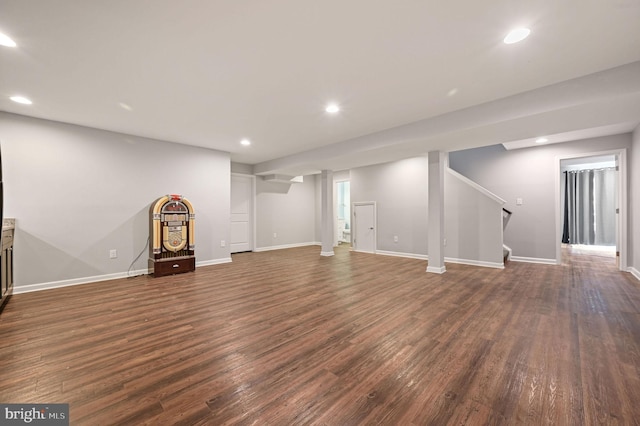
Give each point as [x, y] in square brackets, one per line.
[78, 192]
[473, 222]
[286, 210]
[528, 174]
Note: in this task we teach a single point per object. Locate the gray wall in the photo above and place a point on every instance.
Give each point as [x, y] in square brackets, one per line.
[288, 210]
[472, 223]
[78, 192]
[400, 192]
[528, 174]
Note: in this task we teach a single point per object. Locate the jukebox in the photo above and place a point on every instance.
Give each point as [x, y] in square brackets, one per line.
[171, 236]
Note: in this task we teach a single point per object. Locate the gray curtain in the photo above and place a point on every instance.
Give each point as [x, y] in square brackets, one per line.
[589, 210]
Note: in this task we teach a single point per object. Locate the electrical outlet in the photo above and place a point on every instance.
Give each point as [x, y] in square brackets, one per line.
[518, 201]
[223, 243]
[113, 253]
[395, 238]
[445, 242]
[275, 235]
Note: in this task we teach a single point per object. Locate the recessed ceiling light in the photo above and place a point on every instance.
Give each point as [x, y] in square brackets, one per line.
[542, 140]
[21, 100]
[5, 40]
[245, 142]
[332, 108]
[517, 35]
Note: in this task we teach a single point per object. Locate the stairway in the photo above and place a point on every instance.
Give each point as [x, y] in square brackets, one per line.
[506, 250]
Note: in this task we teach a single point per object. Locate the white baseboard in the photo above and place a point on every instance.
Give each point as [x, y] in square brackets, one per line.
[533, 260]
[213, 262]
[106, 277]
[481, 263]
[286, 246]
[634, 272]
[400, 254]
[446, 259]
[75, 281]
[434, 270]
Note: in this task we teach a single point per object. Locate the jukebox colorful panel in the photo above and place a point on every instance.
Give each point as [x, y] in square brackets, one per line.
[172, 229]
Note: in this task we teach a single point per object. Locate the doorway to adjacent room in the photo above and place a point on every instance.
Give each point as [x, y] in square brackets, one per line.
[591, 213]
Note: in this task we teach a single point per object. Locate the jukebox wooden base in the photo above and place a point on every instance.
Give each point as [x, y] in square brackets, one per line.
[171, 236]
[164, 267]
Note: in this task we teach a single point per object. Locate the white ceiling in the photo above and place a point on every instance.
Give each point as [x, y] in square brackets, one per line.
[209, 73]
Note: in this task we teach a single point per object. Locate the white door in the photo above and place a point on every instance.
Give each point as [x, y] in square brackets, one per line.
[241, 213]
[364, 227]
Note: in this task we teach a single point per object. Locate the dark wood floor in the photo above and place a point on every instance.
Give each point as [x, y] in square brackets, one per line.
[292, 338]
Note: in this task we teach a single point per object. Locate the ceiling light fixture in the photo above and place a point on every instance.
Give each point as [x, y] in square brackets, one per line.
[21, 100]
[125, 106]
[245, 142]
[5, 40]
[542, 140]
[332, 108]
[517, 35]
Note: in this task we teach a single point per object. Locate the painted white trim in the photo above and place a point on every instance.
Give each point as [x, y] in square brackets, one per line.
[473, 184]
[327, 253]
[446, 259]
[436, 270]
[354, 225]
[213, 262]
[400, 254]
[621, 237]
[534, 260]
[634, 272]
[286, 246]
[98, 278]
[76, 281]
[475, 263]
[253, 209]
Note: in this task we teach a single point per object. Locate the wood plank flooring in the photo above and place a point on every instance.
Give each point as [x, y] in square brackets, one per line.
[289, 337]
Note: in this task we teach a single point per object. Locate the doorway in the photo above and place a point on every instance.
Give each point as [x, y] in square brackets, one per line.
[591, 206]
[242, 213]
[364, 227]
[343, 212]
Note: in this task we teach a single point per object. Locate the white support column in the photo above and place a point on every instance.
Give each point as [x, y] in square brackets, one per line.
[327, 212]
[435, 226]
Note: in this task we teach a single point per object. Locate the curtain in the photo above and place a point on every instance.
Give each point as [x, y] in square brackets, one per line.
[589, 207]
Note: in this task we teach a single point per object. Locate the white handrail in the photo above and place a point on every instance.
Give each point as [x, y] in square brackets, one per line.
[481, 189]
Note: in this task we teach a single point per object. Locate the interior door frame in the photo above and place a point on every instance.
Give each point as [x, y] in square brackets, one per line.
[336, 235]
[252, 209]
[354, 224]
[622, 184]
